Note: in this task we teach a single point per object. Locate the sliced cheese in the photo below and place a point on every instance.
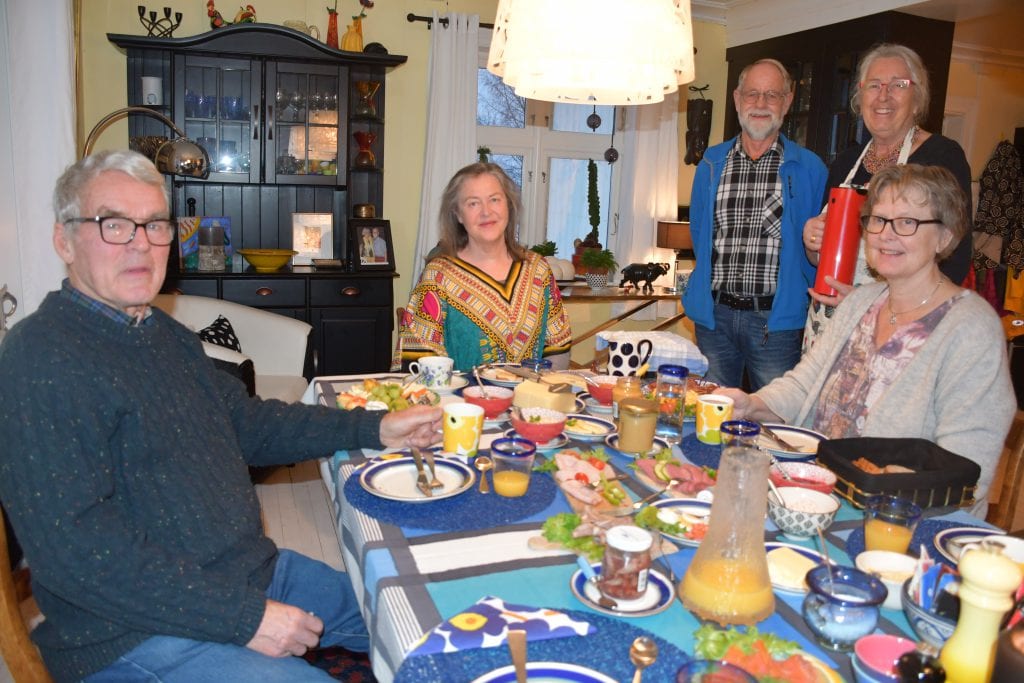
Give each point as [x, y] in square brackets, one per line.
[566, 377]
[530, 394]
[787, 567]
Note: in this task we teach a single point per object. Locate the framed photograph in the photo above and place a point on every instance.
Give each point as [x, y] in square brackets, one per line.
[372, 246]
[312, 237]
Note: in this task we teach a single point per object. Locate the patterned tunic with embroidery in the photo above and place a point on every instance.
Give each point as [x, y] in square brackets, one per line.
[459, 311]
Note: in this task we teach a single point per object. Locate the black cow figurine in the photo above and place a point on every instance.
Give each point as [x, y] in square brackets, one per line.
[634, 273]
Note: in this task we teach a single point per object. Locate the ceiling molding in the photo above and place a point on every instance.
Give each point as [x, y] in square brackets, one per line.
[980, 54]
[711, 11]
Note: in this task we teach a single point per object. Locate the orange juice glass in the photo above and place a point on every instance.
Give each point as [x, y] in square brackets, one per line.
[513, 462]
[889, 523]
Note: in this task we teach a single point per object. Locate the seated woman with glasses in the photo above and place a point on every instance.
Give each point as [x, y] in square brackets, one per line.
[913, 355]
[892, 96]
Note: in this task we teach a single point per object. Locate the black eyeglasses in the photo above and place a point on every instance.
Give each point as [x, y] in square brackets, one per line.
[901, 225]
[770, 96]
[121, 230]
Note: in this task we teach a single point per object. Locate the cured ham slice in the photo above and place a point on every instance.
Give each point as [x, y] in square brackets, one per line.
[692, 479]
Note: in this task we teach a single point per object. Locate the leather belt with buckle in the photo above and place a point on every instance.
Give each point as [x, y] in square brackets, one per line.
[744, 303]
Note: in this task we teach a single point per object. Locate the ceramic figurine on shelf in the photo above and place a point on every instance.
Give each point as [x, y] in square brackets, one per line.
[245, 15]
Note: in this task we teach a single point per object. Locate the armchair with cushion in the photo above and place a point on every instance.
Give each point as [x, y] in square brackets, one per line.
[275, 344]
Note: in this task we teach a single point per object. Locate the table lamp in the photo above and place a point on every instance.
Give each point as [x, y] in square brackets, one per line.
[676, 235]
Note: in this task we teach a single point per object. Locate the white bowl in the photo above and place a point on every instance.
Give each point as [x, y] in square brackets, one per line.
[891, 568]
[802, 511]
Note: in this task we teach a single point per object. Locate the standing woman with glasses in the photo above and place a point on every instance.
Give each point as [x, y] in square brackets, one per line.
[892, 96]
[912, 355]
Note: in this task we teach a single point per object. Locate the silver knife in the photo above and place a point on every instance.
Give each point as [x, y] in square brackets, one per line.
[779, 440]
[421, 476]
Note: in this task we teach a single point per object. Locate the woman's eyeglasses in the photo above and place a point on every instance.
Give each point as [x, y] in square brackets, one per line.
[896, 85]
[901, 225]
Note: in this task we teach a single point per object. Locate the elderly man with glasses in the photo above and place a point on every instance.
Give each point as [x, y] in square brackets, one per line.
[751, 196]
[123, 467]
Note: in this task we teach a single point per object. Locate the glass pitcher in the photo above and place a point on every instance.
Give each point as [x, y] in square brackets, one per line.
[727, 581]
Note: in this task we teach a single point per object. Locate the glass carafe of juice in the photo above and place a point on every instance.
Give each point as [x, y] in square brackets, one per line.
[727, 581]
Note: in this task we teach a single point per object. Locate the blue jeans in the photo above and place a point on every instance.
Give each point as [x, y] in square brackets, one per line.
[298, 581]
[741, 341]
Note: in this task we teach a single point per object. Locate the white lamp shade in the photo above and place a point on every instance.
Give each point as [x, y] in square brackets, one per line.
[593, 51]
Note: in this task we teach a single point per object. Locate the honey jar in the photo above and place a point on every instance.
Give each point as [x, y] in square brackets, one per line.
[626, 387]
[638, 418]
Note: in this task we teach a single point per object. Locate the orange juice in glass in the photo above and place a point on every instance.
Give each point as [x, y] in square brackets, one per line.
[889, 523]
[513, 462]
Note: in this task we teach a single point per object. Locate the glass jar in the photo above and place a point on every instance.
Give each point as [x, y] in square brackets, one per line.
[629, 386]
[626, 563]
[638, 418]
[842, 605]
[671, 397]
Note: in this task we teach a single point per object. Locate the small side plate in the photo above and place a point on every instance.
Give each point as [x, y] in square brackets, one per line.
[812, 555]
[657, 598]
[692, 506]
[458, 382]
[950, 542]
[805, 439]
[612, 441]
[587, 428]
[594, 406]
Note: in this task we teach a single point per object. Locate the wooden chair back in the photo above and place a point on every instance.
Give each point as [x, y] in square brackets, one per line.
[18, 650]
[1003, 512]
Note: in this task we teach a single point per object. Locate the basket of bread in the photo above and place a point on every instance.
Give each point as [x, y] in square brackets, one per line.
[915, 469]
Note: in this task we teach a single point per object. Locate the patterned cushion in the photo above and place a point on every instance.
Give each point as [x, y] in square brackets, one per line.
[221, 333]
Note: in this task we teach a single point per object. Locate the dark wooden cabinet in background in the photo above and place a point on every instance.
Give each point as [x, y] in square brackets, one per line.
[276, 110]
[822, 62]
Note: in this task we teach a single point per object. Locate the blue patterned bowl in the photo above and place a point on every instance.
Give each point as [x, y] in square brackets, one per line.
[929, 627]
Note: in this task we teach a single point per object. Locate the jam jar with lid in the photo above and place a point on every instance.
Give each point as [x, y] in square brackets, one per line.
[626, 563]
[638, 418]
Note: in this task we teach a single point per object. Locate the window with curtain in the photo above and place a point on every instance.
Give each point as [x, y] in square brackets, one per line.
[545, 148]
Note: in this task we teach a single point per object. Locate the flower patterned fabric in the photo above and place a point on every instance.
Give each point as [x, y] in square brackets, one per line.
[486, 624]
[457, 310]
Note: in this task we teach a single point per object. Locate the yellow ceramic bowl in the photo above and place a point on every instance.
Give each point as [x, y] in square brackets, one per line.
[267, 260]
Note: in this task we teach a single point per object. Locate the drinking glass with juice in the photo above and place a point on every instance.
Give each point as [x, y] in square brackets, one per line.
[889, 523]
[513, 462]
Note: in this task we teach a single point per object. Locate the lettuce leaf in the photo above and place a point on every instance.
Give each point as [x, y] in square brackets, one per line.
[711, 642]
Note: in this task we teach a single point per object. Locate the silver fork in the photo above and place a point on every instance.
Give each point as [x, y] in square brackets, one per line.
[428, 455]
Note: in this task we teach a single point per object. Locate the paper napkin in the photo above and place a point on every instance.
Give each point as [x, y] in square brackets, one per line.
[486, 624]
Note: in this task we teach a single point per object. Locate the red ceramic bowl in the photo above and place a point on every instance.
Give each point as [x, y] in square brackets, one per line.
[879, 652]
[803, 474]
[539, 425]
[602, 390]
[498, 400]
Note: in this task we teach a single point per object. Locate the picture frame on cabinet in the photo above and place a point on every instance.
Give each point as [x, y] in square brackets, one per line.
[372, 244]
[312, 237]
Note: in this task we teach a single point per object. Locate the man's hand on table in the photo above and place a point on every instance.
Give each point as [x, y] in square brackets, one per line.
[415, 426]
[286, 631]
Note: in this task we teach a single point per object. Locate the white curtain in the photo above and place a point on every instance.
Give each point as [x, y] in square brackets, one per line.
[37, 141]
[648, 191]
[451, 120]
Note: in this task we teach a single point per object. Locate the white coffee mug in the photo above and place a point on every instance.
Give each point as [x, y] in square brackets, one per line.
[435, 371]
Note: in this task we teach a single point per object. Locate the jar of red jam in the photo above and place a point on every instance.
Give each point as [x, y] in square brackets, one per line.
[626, 563]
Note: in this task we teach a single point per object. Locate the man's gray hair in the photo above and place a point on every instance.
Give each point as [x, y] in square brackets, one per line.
[67, 195]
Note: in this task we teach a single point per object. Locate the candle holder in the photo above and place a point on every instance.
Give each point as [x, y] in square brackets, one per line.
[365, 106]
[163, 27]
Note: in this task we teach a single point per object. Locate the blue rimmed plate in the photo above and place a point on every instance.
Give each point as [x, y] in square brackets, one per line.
[691, 507]
[587, 428]
[546, 672]
[557, 442]
[806, 440]
[612, 441]
[779, 581]
[592, 405]
[395, 479]
[657, 598]
[950, 542]
[491, 374]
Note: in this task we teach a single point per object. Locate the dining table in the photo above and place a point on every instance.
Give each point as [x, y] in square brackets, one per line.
[415, 565]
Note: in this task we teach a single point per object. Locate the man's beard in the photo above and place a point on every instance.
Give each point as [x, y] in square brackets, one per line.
[758, 130]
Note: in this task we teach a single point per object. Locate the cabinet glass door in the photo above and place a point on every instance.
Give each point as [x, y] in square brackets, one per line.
[220, 112]
[304, 134]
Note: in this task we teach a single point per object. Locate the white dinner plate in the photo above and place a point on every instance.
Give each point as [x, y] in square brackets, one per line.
[395, 479]
[489, 375]
[806, 440]
[557, 442]
[691, 506]
[458, 382]
[950, 542]
[593, 406]
[587, 427]
[657, 598]
[612, 441]
[810, 554]
[546, 672]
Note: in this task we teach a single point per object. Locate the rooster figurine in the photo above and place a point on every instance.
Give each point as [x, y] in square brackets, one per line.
[245, 15]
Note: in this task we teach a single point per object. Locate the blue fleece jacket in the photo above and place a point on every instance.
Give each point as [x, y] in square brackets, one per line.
[803, 182]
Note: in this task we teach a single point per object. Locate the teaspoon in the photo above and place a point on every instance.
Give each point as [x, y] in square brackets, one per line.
[483, 463]
[642, 653]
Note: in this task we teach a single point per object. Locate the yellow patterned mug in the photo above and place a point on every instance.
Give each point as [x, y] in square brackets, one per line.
[712, 411]
[463, 423]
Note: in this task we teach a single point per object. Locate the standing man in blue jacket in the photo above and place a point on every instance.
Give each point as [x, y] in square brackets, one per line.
[751, 196]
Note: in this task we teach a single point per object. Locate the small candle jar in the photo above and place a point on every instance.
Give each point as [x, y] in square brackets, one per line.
[626, 563]
[626, 387]
[638, 418]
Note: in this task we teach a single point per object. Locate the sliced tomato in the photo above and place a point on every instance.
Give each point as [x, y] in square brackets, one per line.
[580, 476]
[597, 464]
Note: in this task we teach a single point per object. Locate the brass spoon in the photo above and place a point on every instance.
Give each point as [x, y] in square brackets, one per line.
[642, 653]
[476, 376]
[517, 648]
[483, 463]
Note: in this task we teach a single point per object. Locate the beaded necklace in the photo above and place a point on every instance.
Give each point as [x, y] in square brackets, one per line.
[875, 163]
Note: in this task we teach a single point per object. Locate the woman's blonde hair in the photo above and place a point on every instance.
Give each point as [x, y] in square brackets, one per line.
[453, 233]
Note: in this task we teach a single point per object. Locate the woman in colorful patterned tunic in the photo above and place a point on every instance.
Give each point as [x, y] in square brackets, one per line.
[913, 355]
[484, 299]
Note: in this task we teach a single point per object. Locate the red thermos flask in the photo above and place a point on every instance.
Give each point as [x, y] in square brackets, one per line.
[841, 241]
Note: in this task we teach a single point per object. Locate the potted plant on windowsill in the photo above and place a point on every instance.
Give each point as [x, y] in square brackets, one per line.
[590, 242]
[598, 263]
